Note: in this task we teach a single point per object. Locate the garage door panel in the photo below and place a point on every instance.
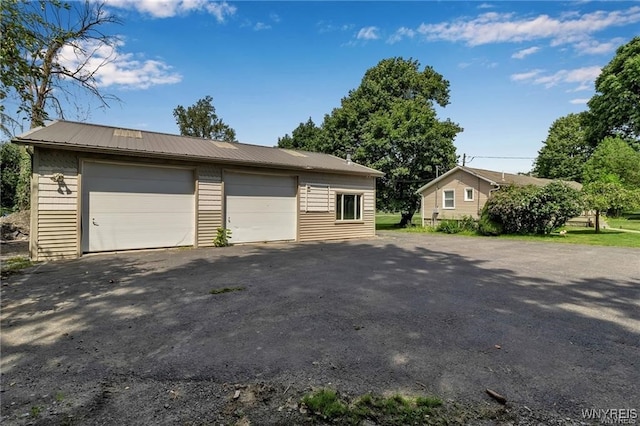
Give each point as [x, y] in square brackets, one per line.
[111, 202]
[260, 207]
[132, 207]
[139, 179]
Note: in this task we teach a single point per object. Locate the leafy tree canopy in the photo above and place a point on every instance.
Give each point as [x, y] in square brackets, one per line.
[201, 121]
[9, 173]
[615, 108]
[614, 161]
[389, 123]
[609, 196]
[303, 137]
[34, 35]
[564, 151]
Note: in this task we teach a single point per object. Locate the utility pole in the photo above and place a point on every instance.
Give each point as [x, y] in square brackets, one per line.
[464, 159]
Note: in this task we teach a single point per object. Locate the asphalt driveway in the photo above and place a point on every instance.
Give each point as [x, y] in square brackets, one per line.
[137, 338]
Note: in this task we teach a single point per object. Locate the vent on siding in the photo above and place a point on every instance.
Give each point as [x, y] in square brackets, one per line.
[226, 145]
[294, 153]
[124, 133]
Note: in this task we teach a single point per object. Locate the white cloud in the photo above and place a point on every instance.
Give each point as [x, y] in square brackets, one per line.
[329, 27]
[525, 75]
[169, 8]
[261, 26]
[520, 54]
[579, 101]
[495, 27]
[110, 67]
[368, 33]
[485, 6]
[594, 47]
[401, 33]
[583, 77]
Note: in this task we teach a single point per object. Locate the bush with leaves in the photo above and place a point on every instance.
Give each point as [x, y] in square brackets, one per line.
[222, 237]
[454, 226]
[10, 172]
[530, 209]
[487, 226]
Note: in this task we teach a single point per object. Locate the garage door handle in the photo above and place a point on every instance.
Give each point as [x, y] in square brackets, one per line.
[94, 222]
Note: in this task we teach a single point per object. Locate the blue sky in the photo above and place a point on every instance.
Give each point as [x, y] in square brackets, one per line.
[513, 67]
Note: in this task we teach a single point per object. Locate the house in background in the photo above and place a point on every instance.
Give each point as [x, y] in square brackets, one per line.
[98, 188]
[463, 191]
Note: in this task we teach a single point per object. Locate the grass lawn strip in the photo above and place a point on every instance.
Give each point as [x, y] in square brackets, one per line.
[397, 409]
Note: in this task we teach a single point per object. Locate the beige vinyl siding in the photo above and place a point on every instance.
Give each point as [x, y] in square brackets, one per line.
[56, 206]
[209, 204]
[317, 214]
[458, 182]
[57, 232]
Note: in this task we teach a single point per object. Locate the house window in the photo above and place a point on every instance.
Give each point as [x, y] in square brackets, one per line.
[448, 199]
[468, 194]
[348, 206]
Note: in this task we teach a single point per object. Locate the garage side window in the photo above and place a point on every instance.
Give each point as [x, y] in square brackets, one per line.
[448, 199]
[468, 194]
[348, 206]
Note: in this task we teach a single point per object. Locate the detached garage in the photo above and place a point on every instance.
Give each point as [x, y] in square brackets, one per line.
[99, 188]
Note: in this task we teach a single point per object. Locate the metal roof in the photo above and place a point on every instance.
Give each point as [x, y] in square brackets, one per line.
[87, 137]
[500, 178]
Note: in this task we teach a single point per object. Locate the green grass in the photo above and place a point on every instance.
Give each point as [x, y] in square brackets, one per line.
[13, 265]
[575, 235]
[325, 403]
[387, 220]
[327, 406]
[631, 222]
[225, 290]
[393, 410]
[587, 236]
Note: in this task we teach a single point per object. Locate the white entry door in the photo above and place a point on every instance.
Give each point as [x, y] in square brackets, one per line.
[136, 206]
[260, 207]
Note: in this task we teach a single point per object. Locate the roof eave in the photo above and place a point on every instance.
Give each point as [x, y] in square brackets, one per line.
[111, 151]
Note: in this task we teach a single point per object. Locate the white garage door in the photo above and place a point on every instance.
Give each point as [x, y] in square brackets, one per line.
[135, 206]
[260, 207]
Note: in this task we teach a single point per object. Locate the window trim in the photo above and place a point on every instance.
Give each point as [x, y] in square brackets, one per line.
[473, 193]
[444, 199]
[341, 204]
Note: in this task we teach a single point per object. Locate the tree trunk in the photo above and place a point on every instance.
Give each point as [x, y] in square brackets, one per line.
[406, 220]
[597, 221]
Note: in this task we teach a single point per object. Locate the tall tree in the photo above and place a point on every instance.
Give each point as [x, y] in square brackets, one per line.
[201, 121]
[306, 136]
[564, 151]
[615, 108]
[390, 123]
[35, 34]
[34, 71]
[602, 196]
[614, 161]
[612, 178]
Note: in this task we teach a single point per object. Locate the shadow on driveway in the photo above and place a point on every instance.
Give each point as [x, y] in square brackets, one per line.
[111, 337]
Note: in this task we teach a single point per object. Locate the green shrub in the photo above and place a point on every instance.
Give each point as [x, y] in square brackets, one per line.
[454, 226]
[488, 227]
[449, 226]
[531, 209]
[222, 237]
[467, 223]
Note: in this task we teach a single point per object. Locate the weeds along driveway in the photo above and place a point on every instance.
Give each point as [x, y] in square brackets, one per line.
[550, 326]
